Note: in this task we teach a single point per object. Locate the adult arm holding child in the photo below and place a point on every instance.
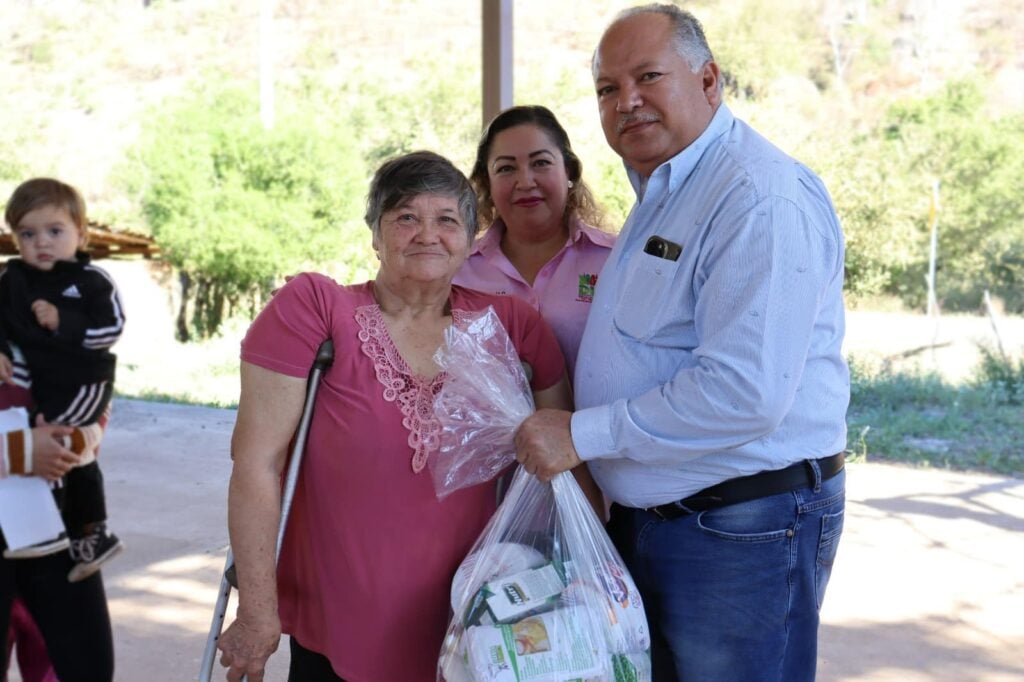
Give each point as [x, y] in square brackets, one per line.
[37, 451]
[6, 368]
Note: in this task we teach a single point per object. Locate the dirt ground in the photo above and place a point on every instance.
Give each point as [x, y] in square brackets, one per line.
[949, 345]
[927, 584]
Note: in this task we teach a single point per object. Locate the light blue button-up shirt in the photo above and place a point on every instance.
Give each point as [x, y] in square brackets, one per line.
[726, 361]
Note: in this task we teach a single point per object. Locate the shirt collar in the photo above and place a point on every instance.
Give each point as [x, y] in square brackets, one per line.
[682, 164]
[581, 231]
[489, 241]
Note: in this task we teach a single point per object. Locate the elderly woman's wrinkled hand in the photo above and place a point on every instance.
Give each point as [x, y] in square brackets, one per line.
[544, 444]
[246, 645]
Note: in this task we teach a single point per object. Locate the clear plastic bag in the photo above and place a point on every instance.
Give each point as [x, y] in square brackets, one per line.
[484, 399]
[544, 595]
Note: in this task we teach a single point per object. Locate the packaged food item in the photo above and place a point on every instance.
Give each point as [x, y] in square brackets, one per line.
[509, 598]
[551, 646]
[627, 621]
[494, 561]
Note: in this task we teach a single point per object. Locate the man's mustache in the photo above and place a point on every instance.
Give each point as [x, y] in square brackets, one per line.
[640, 117]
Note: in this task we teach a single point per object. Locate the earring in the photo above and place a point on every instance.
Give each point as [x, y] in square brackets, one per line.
[570, 184]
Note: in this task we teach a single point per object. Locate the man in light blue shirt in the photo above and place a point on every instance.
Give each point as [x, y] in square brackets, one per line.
[710, 385]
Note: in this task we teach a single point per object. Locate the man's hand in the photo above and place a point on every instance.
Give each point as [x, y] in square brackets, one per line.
[544, 444]
[246, 646]
[6, 368]
[50, 459]
[46, 314]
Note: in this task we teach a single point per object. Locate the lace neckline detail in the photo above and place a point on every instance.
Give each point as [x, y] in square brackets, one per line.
[413, 393]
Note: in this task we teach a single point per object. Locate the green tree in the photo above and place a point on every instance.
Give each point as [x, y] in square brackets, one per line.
[235, 207]
[950, 137]
[882, 183]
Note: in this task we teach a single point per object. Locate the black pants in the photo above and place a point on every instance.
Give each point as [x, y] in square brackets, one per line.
[81, 498]
[308, 666]
[72, 617]
[70, 404]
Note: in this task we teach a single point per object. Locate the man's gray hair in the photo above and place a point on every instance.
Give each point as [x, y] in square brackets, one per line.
[413, 174]
[690, 42]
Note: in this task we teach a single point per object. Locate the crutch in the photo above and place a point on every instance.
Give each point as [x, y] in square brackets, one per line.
[324, 358]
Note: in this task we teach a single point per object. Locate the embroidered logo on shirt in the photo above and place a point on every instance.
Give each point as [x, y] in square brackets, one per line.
[586, 288]
[71, 292]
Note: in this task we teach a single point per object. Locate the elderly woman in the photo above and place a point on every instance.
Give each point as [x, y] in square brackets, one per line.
[367, 563]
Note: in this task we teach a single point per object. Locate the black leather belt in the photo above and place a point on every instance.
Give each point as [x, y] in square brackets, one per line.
[746, 488]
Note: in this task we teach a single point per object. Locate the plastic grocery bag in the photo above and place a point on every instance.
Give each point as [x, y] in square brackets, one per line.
[544, 595]
[484, 399]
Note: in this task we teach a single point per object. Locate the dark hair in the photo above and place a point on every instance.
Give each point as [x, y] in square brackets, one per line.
[413, 174]
[40, 192]
[579, 200]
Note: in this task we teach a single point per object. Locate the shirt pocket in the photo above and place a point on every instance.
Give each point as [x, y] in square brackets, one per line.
[645, 296]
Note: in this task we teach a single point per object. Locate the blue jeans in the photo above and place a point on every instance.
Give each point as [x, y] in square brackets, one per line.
[734, 593]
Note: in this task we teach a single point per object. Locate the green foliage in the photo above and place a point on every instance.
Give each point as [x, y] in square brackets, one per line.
[760, 41]
[1002, 376]
[394, 117]
[977, 160]
[919, 418]
[879, 219]
[235, 207]
[882, 181]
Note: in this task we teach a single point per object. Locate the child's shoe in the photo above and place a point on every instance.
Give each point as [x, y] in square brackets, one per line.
[92, 551]
[45, 548]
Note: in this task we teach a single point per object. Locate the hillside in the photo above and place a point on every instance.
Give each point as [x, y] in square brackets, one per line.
[80, 75]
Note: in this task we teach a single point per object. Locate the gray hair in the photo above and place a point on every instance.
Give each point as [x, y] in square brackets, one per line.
[413, 174]
[690, 42]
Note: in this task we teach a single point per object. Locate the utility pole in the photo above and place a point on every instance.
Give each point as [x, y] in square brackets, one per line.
[933, 220]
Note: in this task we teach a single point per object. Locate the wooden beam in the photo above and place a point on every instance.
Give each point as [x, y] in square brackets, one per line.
[497, 57]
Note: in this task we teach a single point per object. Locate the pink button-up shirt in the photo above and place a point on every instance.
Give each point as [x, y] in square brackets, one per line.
[562, 290]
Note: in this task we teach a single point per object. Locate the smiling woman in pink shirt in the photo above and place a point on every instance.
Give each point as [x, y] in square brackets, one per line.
[365, 573]
[541, 245]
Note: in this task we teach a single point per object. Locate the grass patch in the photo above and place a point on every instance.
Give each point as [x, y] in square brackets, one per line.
[919, 418]
[177, 399]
